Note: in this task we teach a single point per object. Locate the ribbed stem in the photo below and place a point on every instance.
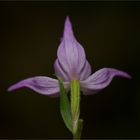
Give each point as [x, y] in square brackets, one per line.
[75, 108]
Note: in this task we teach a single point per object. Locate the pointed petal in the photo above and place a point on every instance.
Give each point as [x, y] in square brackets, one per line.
[71, 54]
[41, 84]
[101, 79]
[86, 71]
[59, 71]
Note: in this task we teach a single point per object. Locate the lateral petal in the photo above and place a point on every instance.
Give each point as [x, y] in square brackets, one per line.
[40, 84]
[85, 72]
[59, 71]
[101, 79]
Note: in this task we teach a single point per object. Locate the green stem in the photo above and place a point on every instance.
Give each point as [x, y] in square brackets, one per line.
[75, 109]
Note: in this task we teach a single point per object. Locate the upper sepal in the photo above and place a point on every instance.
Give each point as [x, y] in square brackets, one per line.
[71, 56]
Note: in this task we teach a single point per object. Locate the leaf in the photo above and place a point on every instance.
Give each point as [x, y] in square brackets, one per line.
[79, 130]
[65, 108]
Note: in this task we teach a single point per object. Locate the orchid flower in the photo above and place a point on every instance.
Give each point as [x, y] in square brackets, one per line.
[72, 67]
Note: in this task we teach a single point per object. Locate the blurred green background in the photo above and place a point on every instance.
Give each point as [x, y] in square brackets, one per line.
[29, 37]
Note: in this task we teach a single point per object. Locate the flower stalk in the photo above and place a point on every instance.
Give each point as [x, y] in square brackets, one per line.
[75, 104]
[70, 110]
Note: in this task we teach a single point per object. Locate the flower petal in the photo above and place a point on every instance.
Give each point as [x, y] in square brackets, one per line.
[59, 71]
[41, 84]
[100, 79]
[86, 71]
[71, 54]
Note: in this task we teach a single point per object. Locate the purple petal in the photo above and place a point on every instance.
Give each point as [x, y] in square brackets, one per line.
[41, 84]
[59, 71]
[100, 79]
[86, 71]
[71, 54]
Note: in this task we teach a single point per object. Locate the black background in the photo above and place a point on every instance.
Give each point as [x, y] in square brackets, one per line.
[29, 37]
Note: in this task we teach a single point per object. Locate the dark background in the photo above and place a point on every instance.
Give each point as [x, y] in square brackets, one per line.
[29, 37]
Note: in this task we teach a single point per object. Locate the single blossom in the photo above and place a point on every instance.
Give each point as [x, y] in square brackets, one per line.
[71, 64]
